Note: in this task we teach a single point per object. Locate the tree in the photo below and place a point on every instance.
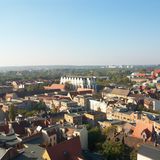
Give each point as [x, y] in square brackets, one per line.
[97, 96]
[133, 155]
[110, 131]
[113, 150]
[12, 113]
[94, 137]
[68, 86]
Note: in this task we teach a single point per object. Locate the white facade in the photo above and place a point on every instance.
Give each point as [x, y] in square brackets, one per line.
[141, 157]
[49, 139]
[156, 105]
[98, 106]
[80, 82]
[83, 134]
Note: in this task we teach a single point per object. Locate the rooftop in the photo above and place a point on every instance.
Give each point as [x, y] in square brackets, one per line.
[65, 150]
[120, 92]
[150, 152]
[95, 113]
[32, 150]
[73, 114]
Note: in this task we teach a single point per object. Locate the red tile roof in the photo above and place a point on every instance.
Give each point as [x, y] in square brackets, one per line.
[141, 127]
[55, 87]
[140, 75]
[85, 91]
[67, 150]
[157, 71]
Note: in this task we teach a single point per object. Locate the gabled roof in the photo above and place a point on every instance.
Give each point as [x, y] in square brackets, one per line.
[72, 94]
[67, 150]
[120, 92]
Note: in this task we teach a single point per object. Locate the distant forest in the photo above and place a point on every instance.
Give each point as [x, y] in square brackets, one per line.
[115, 75]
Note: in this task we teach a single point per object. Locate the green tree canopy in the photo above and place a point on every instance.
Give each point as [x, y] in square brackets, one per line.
[12, 113]
[113, 150]
[94, 137]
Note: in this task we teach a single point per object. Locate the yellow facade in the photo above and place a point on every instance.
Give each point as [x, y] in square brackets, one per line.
[45, 156]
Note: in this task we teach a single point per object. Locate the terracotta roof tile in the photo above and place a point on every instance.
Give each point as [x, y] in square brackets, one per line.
[141, 127]
[67, 150]
[55, 87]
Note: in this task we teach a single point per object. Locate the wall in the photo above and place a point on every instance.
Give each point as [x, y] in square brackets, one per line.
[141, 157]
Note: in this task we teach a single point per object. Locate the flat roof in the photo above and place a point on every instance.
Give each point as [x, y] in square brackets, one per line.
[150, 152]
[73, 114]
[94, 112]
[33, 150]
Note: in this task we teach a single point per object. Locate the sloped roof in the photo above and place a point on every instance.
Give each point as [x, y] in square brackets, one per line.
[67, 150]
[55, 87]
[120, 92]
[19, 128]
[73, 93]
[140, 127]
[149, 152]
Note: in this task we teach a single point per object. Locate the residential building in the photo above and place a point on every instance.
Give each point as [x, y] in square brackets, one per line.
[82, 132]
[70, 149]
[73, 118]
[80, 91]
[10, 140]
[98, 106]
[143, 130]
[66, 131]
[32, 148]
[83, 100]
[109, 123]
[63, 104]
[20, 127]
[93, 117]
[152, 104]
[148, 152]
[11, 96]
[120, 93]
[17, 85]
[128, 116]
[49, 136]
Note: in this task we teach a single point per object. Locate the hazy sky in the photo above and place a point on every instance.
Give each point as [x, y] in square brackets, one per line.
[79, 32]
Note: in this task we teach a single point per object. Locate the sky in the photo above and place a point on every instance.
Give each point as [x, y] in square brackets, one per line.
[79, 32]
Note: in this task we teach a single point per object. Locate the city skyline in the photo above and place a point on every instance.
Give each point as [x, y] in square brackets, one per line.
[69, 32]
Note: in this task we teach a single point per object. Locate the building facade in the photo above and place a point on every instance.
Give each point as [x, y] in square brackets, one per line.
[79, 81]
